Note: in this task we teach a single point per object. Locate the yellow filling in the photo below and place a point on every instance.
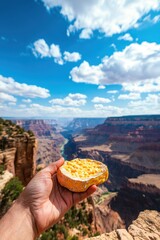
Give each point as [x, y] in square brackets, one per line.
[83, 168]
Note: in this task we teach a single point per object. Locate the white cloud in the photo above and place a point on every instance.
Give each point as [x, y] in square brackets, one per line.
[149, 85]
[72, 57]
[107, 17]
[37, 110]
[101, 87]
[137, 64]
[126, 37]
[112, 91]
[100, 100]
[86, 73]
[109, 110]
[27, 100]
[4, 97]
[114, 46]
[86, 33]
[10, 86]
[151, 19]
[131, 96]
[149, 105]
[156, 19]
[56, 54]
[42, 50]
[75, 100]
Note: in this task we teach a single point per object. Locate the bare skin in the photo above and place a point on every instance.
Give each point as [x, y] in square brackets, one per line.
[41, 205]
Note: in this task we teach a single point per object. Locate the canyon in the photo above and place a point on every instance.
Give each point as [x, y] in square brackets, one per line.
[49, 139]
[129, 146]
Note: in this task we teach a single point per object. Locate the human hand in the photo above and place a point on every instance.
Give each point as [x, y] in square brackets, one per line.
[47, 200]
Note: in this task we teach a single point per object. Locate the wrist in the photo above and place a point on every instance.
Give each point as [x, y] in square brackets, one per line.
[18, 222]
[27, 217]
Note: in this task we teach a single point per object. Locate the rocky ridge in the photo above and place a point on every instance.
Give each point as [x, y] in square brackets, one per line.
[130, 146]
[17, 151]
[146, 226]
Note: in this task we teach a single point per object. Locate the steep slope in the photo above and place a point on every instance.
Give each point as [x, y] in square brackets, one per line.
[48, 136]
[17, 151]
[146, 226]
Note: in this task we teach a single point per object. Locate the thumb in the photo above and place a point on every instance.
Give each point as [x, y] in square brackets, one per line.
[53, 167]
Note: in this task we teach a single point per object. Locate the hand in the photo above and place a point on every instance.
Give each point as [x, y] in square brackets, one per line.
[47, 200]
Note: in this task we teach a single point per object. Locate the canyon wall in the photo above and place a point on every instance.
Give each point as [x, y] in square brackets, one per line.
[130, 147]
[48, 137]
[19, 156]
[17, 150]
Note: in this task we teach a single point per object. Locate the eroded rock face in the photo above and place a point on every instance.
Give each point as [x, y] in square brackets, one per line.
[19, 157]
[130, 146]
[146, 226]
[48, 137]
[104, 218]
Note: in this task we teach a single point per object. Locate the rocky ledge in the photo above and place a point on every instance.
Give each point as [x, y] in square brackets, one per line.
[146, 226]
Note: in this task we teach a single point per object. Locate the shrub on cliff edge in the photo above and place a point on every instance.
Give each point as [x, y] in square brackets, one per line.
[10, 193]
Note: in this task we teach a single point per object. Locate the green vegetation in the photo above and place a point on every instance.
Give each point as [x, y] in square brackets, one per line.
[10, 192]
[31, 134]
[8, 129]
[2, 168]
[77, 218]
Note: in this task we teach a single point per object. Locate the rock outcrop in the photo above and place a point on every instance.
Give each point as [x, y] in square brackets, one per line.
[19, 157]
[146, 226]
[130, 146]
[17, 150]
[48, 137]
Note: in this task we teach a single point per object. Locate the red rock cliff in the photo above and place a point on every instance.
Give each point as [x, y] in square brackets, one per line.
[19, 156]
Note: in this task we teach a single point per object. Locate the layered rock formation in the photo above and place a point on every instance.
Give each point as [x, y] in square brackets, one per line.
[130, 146]
[19, 157]
[17, 151]
[146, 226]
[79, 124]
[49, 139]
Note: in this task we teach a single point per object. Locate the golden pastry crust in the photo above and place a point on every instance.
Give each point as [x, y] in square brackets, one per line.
[78, 174]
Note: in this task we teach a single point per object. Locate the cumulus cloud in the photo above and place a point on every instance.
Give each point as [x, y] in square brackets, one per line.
[87, 74]
[72, 57]
[137, 64]
[149, 85]
[10, 86]
[76, 100]
[126, 37]
[132, 95]
[41, 49]
[86, 33]
[107, 17]
[4, 97]
[100, 100]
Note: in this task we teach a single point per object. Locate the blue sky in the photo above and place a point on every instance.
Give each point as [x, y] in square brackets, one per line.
[79, 58]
